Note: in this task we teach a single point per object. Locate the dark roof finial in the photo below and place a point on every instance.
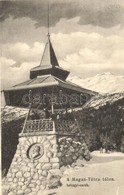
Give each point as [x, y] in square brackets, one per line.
[48, 33]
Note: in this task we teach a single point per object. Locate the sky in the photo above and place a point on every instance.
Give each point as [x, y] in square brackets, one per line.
[87, 36]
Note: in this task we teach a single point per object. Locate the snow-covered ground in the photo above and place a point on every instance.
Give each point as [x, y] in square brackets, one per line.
[110, 154]
[101, 100]
[13, 113]
[105, 178]
[102, 83]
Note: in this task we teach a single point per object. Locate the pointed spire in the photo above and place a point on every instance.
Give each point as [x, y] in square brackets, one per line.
[49, 57]
[49, 63]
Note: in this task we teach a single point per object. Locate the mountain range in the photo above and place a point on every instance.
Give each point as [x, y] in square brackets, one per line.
[102, 83]
[105, 84]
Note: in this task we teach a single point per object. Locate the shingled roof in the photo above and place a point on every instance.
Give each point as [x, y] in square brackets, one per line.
[47, 81]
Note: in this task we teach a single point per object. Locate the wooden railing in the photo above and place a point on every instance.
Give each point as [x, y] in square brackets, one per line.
[38, 126]
[48, 125]
[68, 126]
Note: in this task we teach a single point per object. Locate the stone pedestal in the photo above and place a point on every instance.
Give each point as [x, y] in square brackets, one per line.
[33, 164]
[38, 158]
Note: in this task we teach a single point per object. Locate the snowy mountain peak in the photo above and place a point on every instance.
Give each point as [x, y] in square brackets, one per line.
[105, 73]
[105, 82]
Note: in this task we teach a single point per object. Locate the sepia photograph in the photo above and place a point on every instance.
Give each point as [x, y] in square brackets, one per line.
[62, 97]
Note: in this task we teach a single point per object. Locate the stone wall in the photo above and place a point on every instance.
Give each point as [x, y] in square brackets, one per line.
[37, 161]
[28, 175]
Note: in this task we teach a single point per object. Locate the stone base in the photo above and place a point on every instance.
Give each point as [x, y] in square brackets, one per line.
[36, 164]
[28, 172]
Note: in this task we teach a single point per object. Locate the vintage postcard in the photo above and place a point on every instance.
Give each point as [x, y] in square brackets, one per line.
[62, 97]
